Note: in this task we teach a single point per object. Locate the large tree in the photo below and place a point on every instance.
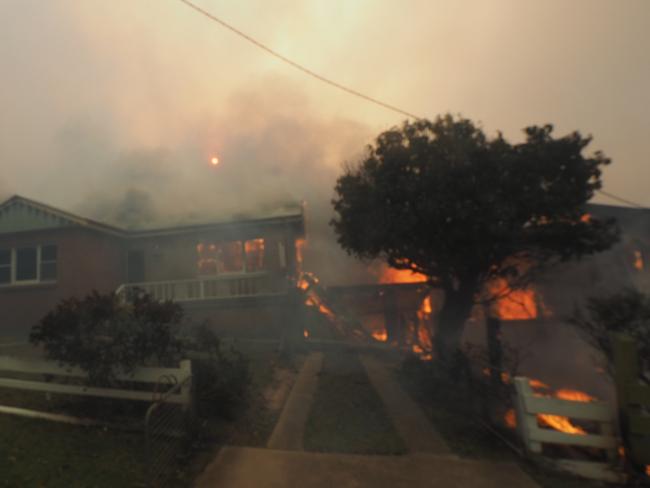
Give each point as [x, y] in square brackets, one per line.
[442, 199]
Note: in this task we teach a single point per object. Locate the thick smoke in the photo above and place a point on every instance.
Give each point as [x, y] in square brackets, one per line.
[270, 154]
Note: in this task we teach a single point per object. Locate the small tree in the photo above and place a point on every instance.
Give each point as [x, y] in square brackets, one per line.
[106, 337]
[441, 199]
[626, 312]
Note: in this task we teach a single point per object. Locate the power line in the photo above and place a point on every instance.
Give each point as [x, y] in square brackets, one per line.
[297, 65]
[344, 88]
[622, 200]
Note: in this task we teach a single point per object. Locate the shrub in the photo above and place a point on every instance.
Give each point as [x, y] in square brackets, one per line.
[106, 337]
[221, 377]
[626, 312]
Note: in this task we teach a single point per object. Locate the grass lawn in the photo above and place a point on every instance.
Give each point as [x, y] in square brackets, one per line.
[466, 438]
[36, 453]
[347, 415]
[44, 453]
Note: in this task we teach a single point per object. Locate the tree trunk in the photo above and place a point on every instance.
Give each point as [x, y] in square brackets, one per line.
[453, 315]
[495, 350]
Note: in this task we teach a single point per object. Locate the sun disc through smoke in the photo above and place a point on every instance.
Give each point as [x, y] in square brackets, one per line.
[214, 161]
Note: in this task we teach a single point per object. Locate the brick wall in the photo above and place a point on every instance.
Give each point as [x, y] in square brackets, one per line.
[86, 260]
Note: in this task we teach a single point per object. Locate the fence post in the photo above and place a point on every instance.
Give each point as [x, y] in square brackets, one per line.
[525, 420]
[186, 388]
[626, 367]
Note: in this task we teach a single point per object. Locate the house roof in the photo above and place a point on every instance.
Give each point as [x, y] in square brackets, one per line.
[20, 214]
[291, 214]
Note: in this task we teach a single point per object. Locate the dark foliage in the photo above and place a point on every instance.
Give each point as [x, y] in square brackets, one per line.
[626, 312]
[221, 377]
[106, 337]
[440, 198]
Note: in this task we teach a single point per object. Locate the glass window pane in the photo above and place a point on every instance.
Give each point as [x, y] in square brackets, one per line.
[5, 257]
[254, 254]
[48, 271]
[26, 263]
[207, 258]
[232, 256]
[5, 275]
[48, 253]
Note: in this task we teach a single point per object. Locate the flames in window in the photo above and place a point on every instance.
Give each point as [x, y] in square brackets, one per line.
[230, 257]
[254, 250]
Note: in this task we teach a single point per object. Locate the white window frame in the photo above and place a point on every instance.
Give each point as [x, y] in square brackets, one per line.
[14, 264]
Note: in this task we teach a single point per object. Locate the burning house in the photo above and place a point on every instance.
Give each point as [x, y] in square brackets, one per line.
[234, 273]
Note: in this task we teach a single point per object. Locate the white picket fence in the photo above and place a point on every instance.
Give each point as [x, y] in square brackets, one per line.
[43, 376]
[528, 406]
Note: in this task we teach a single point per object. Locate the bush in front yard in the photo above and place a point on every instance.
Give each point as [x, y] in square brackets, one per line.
[221, 377]
[106, 337]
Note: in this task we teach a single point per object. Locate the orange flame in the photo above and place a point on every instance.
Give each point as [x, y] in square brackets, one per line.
[513, 304]
[300, 251]
[510, 418]
[556, 422]
[561, 423]
[312, 301]
[537, 384]
[574, 395]
[305, 333]
[638, 260]
[392, 275]
[380, 335]
[423, 342]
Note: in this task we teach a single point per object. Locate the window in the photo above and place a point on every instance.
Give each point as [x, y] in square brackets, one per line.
[48, 263]
[230, 257]
[254, 254]
[207, 262]
[27, 264]
[30, 264]
[5, 266]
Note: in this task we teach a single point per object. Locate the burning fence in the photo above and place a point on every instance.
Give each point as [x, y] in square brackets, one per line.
[557, 422]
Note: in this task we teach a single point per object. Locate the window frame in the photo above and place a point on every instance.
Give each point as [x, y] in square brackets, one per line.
[10, 266]
[243, 271]
[13, 266]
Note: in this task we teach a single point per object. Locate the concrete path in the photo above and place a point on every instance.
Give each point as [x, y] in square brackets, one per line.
[247, 467]
[284, 465]
[290, 429]
[408, 418]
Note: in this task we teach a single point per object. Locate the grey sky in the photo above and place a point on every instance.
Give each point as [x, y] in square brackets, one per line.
[100, 96]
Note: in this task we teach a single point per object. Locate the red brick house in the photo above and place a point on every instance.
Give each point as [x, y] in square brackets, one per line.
[235, 273]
